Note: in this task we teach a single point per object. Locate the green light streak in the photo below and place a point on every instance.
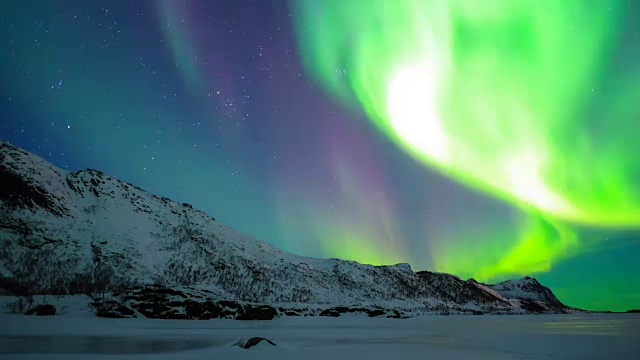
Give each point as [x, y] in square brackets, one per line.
[180, 44]
[540, 242]
[513, 98]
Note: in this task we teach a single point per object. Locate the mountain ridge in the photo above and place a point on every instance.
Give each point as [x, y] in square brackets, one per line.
[60, 230]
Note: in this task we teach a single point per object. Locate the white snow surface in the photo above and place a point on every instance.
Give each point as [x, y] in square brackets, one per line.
[80, 335]
[69, 221]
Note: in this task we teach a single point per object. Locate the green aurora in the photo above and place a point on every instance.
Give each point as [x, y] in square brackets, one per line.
[517, 99]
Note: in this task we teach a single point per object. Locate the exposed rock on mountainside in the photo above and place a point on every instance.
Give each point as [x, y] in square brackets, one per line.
[529, 294]
[85, 232]
[158, 302]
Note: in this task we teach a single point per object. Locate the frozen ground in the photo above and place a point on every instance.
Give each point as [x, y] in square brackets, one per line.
[79, 336]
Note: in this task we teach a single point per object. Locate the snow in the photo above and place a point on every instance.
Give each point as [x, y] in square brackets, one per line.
[78, 336]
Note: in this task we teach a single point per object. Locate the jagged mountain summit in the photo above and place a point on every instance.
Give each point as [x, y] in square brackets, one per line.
[61, 230]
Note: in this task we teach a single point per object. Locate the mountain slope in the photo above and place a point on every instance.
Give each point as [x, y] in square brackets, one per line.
[60, 230]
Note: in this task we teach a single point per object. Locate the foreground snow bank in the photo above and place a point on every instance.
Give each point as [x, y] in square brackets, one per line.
[603, 336]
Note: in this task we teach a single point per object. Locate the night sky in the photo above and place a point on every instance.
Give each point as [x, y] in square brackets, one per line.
[210, 103]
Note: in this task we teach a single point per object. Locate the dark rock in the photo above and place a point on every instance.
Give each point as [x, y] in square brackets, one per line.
[153, 310]
[344, 310]
[159, 290]
[212, 308]
[230, 304]
[113, 310]
[180, 303]
[173, 315]
[376, 312]
[226, 314]
[361, 310]
[330, 312]
[42, 310]
[206, 316]
[202, 311]
[261, 312]
[16, 192]
[195, 310]
[256, 340]
[634, 311]
[531, 306]
[159, 311]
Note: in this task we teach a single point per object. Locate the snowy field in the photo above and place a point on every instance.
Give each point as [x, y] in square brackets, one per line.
[81, 336]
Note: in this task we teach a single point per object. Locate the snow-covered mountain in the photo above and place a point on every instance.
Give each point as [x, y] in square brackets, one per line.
[62, 232]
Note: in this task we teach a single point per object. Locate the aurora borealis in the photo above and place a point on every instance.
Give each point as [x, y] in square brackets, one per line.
[494, 94]
[490, 141]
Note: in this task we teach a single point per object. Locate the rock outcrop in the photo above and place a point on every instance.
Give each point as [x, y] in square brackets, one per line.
[42, 310]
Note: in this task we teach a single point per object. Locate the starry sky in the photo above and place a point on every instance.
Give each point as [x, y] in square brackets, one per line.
[237, 107]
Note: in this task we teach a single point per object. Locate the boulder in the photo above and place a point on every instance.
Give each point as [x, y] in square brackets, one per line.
[330, 312]
[260, 312]
[376, 313]
[257, 340]
[42, 310]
